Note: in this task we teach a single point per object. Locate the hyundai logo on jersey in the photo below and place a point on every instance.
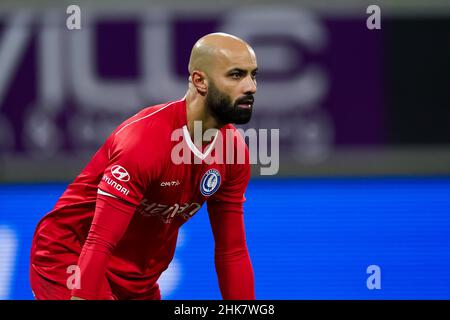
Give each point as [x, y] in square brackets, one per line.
[120, 173]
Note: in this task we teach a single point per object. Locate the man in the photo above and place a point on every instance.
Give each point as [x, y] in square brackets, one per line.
[114, 230]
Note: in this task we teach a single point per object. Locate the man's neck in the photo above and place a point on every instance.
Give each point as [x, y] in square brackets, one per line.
[196, 111]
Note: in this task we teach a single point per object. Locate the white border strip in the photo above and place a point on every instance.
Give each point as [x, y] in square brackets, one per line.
[194, 148]
[103, 193]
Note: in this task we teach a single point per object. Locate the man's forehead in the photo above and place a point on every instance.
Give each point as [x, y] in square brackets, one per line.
[239, 59]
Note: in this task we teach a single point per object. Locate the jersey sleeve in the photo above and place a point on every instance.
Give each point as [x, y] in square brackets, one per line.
[225, 208]
[232, 192]
[110, 222]
[132, 164]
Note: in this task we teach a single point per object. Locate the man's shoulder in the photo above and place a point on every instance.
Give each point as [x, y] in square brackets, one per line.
[149, 129]
[235, 148]
[158, 116]
[229, 130]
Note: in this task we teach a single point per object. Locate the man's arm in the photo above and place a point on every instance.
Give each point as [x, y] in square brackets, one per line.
[233, 265]
[111, 219]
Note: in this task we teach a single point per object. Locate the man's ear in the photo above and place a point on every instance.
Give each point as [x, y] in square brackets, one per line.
[200, 82]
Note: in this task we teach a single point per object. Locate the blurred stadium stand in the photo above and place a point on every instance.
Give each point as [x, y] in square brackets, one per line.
[347, 100]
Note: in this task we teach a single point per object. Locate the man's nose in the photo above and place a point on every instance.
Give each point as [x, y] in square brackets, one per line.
[250, 85]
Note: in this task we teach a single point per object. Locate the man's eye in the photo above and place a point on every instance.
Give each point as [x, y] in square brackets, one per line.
[235, 75]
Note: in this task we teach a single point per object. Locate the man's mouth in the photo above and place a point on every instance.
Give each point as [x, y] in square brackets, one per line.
[246, 104]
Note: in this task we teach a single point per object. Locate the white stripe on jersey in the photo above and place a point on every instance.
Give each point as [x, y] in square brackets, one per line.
[149, 115]
[103, 193]
[194, 148]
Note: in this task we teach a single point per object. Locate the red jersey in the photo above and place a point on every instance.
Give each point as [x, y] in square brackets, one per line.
[136, 165]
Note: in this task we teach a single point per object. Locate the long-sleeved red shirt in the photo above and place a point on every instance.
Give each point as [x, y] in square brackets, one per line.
[119, 220]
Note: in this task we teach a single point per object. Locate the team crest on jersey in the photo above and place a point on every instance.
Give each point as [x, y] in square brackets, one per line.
[210, 182]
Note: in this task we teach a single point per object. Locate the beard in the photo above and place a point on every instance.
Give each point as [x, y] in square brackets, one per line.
[224, 110]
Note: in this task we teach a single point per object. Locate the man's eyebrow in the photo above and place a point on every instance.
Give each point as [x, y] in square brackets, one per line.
[237, 69]
[241, 70]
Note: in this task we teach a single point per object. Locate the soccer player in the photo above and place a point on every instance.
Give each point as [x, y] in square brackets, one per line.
[115, 227]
